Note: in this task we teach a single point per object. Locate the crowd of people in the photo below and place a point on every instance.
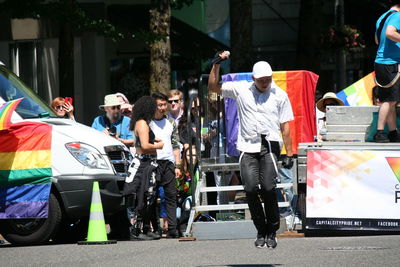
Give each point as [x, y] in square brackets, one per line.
[155, 130]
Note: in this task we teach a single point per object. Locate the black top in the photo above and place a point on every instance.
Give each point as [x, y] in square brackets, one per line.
[151, 139]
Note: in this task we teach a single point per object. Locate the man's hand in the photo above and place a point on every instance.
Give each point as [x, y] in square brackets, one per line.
[106, 131]
[224, 55]
[178, 173]
[287, 162]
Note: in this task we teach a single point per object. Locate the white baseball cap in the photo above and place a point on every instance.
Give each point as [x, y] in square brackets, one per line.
[262, 69]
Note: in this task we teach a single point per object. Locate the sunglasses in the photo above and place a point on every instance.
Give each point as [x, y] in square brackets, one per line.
[115, 107]
[176, 101]
[59, 108]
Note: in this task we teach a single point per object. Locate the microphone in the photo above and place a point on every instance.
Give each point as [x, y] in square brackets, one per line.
[217, 59]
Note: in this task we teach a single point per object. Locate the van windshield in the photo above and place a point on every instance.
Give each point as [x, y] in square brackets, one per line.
[11, 88]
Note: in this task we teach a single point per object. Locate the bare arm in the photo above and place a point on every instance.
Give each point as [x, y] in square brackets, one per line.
[392, 34]
[376, 40]
[213, 79]
[142, 129]
[287, 140]
[127, 142]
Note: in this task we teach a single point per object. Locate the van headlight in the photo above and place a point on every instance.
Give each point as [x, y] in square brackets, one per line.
[87, 155]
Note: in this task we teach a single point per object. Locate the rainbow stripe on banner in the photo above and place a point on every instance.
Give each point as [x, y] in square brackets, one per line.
[6, 111]
[25, 170]
[359, 93]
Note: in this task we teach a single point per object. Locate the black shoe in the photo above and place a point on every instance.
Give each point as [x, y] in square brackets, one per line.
[173, 234]
[271, 241]
[140, 237]
[394, 136]
[260, 241]
[153, 235]
[381, 137]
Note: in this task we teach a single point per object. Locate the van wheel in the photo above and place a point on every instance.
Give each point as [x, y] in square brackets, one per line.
[33, 231]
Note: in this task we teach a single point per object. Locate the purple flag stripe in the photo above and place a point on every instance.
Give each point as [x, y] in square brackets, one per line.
[24, 210]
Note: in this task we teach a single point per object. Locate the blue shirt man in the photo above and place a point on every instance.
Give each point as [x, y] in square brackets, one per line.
[122, 126]
[113, 123]
[387, 73]
[388, 50]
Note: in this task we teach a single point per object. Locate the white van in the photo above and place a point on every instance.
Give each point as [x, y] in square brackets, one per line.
[100, 158]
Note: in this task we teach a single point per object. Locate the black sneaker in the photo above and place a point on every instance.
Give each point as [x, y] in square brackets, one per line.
[271, 241]
[140, 237]
[381, 137]
[153, 235]
[172, 234]
[260, 241]
[394, 136]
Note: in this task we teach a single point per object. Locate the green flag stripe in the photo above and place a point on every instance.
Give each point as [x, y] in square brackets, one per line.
[26, 176]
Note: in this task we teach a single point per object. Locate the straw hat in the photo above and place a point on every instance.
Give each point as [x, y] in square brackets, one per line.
[329, 95]
[110, 101]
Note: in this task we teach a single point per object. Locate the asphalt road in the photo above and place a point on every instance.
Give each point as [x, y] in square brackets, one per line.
[315, 251]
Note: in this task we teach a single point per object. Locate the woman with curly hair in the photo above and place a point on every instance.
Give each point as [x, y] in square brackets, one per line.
[140, 184]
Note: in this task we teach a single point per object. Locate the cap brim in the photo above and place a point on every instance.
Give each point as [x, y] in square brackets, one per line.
[260, 75]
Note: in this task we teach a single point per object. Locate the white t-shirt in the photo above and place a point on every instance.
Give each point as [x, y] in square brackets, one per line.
[167, 131]
[259, 113]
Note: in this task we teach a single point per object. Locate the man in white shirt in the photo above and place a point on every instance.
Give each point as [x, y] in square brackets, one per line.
[264, 113]
[168, 159]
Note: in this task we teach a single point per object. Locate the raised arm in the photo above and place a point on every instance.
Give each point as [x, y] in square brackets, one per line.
[213, 79]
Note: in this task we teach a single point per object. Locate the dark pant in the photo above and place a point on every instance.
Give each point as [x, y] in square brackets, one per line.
[166, 172]
[259, 172]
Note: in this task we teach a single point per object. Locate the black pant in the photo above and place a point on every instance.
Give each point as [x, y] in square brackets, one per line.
[166, 172]
[259, 172]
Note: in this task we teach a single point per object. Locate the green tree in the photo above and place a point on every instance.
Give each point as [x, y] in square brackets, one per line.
[241, 35]
[160, 45]
[70, 18]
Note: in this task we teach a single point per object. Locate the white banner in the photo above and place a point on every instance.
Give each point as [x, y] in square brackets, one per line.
[353, 184]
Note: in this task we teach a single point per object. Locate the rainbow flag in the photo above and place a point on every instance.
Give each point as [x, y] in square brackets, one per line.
[25, 170]
[359, 93]
[300, 87]
[6, 111]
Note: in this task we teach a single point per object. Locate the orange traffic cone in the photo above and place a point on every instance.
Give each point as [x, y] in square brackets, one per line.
[97, 233]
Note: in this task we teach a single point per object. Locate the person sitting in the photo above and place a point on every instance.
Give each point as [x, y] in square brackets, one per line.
[113, 123]
[329, 99]
[62, 108]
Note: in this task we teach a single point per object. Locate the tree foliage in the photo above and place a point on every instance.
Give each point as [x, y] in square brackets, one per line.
[62, 11]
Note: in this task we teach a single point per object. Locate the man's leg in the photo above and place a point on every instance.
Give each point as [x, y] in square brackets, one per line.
[387, 114]
[268, 176]
[249, 170]
[392, 116]
[170, 197]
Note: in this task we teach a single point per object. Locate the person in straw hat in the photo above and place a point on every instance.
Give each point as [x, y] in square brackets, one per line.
[113, 123]
[329, 99]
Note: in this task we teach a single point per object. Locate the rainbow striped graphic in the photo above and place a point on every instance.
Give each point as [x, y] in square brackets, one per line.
[394, 164]
[359, 93]
[25, 170]
[6, 111]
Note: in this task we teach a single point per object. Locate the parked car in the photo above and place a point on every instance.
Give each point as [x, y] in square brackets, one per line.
[80, 156]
